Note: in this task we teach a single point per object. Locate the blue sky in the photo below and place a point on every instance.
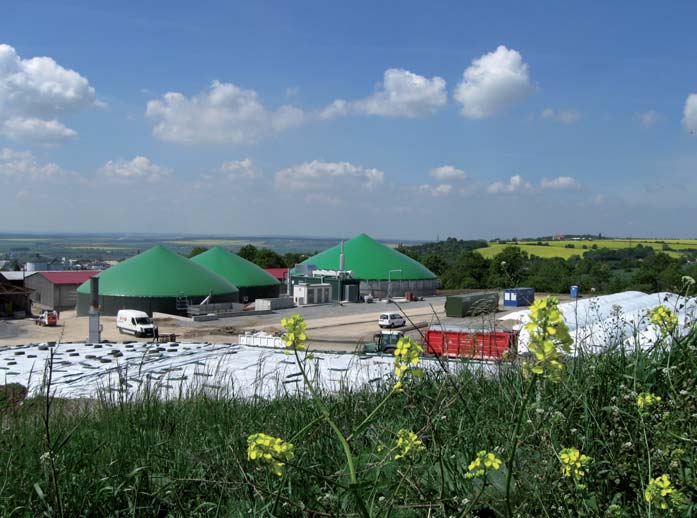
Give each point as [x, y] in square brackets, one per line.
[401, 119]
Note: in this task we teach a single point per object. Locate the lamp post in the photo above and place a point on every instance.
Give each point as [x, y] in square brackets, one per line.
[389, 282]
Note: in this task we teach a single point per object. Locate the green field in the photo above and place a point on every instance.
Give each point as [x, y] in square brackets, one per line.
[559, 248]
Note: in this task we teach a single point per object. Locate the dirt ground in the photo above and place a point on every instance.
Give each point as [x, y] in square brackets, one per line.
[330, 327]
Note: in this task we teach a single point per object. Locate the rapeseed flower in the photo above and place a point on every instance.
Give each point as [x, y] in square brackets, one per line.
[295, 336]
[270, 450]
[406, 358]
[646, 399]
[549, 335]
[664, 319]
[573, 463]
[659, 492]
[484, 462]
[408, 445]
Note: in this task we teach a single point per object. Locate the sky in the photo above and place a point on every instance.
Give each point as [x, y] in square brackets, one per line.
[403, 119]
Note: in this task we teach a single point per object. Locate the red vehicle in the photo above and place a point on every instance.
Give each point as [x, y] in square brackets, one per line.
[47, 318]
[463, 342]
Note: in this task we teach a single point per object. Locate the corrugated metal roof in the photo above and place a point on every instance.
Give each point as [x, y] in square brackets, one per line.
[159, 272]
[234, 269]
[370, 260]
[17, 275]
[69, 277]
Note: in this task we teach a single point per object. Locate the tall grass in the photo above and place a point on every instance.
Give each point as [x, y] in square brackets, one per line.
[152, 457]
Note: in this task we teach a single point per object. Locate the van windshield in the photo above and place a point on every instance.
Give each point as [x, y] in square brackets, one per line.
[143, 320]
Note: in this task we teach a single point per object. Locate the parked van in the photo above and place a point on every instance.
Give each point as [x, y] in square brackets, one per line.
[135, 322]
[391, 320]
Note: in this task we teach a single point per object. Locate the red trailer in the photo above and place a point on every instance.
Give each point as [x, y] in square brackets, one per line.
[463, 342]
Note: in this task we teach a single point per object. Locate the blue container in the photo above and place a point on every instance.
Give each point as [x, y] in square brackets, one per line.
[518, 296]
[575, 292]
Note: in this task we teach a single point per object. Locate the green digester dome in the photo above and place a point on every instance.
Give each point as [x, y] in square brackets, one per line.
[159, 272]
[235, 269]
[370, 260]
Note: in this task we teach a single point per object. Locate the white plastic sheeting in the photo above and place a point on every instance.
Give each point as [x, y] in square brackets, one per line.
[599, 323]
[187, 369]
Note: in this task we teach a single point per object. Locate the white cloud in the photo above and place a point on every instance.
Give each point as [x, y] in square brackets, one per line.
[239, 170]
[442, 189]
[33, 92]
[567, 116]
[23, 166]
[493, 82]
[689, 118]
[515, 184]
[648, 119]
[319, 176]
[223, 114]
[140, 168]
[599, 199]
[36, 130]
[560, 183]
[401, 94]
[447, 172]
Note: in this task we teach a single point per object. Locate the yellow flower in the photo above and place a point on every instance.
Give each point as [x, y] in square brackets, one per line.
[646, 399]
[295, 336]
[659, 492]
[664, 319]
[549, 336]
[406, 357]
[270, 450]
[483, 463]
[408, 445]
[573, 463]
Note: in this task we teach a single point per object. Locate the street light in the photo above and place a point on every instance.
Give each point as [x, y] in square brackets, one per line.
[389, 281]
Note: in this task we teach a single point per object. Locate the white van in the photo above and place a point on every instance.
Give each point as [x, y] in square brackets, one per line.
[135, 322]
[391, 320]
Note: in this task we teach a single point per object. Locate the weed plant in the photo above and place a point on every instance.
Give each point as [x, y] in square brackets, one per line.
[596, 435]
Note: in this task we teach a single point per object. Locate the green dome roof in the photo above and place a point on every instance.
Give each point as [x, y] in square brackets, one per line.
[370, 260]
[159, 272]
[235, 269]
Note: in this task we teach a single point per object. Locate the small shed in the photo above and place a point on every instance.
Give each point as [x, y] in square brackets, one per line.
[471, 304]
[57, 290]
[517, 297]
[312, 293]
[14, 300]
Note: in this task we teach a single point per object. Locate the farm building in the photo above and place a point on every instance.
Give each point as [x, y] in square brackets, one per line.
[57, 290]
[156, 280]
[382, 271]
[14, 300]
[252, 281]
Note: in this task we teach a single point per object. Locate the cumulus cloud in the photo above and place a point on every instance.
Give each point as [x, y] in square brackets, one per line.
[239, 170]
[33, 92]
[223, 114]
[442, 189]
[492, 83]
[139, 169]
[319, 176]
[447, 172]
[648, 119]
[515, 184]
[689, 118]
[560, 183]
[401, 94]
[37, 130]
[24, 166]
[567, 116]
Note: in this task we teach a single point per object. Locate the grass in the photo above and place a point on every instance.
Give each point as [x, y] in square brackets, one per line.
[217, 242]
[559, 248]
[148, 457]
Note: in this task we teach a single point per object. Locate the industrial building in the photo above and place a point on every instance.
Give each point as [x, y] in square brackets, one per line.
[381, 270]
[157, 280]
[57, 289]
[252, 281]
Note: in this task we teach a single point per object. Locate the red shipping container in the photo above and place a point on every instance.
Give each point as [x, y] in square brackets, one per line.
[465, 342]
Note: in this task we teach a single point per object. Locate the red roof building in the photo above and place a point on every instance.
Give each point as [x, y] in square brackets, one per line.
[57, 289]
[280, 273]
